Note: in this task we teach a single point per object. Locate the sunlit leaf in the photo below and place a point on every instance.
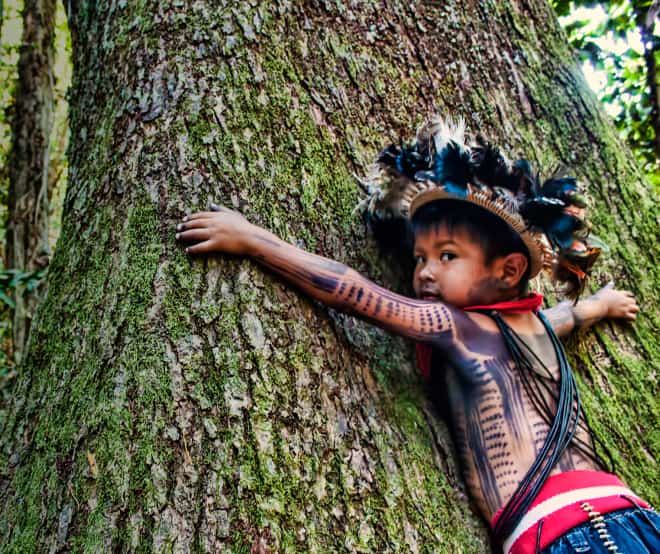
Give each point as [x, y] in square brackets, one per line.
[624, 86]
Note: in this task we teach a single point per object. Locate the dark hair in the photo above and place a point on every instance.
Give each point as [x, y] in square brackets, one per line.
[492, 233]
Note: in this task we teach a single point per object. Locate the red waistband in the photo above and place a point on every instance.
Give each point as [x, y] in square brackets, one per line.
[564, 511]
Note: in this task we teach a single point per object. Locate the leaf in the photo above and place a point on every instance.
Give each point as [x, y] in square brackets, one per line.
[4, 298]
[562, 7]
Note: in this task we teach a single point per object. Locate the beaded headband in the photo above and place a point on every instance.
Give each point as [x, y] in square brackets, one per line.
[438, 165]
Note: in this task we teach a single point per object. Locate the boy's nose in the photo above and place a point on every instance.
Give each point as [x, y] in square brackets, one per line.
[426, 273]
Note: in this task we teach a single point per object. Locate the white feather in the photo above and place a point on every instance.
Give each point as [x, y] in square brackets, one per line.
[442, 131]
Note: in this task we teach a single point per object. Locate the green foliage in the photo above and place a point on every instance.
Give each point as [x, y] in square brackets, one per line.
[15, 281]
[7, 372]
[9, 46]
[601, 42]
[10, 33]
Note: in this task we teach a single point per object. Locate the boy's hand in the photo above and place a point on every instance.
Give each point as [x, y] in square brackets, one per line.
[220, 230]
[606, 303]
[618, 304]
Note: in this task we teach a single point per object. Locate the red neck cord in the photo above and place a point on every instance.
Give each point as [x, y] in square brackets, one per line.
[531, 303]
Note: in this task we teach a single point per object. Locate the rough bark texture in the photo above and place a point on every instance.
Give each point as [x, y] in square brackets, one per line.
[27, 224]
[204, 406]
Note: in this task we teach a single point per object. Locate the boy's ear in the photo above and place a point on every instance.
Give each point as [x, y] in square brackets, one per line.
[513, 267]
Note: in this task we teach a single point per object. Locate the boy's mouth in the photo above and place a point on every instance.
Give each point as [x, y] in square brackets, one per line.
[429, 295]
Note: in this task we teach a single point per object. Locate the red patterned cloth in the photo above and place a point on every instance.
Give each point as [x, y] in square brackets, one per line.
[424, 353]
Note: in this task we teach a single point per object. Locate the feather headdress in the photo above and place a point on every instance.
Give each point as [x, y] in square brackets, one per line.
[438, 164]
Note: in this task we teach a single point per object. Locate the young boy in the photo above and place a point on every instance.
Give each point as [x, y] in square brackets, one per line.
[525, 449]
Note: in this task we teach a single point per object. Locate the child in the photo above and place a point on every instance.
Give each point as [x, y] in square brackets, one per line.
[481, 230]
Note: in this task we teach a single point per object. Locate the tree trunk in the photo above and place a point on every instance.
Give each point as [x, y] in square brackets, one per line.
[204, 406]
[27, 224]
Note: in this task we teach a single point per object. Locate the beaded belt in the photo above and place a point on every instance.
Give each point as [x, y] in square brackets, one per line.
[598, 522]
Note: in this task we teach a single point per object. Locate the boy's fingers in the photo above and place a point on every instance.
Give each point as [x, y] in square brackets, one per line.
[224, 209]
[199, 215]
[194, 224]
[199, 248]
[194, 234]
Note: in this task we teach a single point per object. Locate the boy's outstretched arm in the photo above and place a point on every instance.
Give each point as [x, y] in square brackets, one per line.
[330, 282]
[606, 303]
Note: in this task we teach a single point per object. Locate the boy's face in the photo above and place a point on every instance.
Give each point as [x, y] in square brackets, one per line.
[451, 267]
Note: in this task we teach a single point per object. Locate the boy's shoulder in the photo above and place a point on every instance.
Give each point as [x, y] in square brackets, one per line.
[477, 338]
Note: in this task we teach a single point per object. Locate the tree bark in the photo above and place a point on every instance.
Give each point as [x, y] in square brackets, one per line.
[204, 406]
[27, 225]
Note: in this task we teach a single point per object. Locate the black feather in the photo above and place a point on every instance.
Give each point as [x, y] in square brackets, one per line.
[451, 168]
[565, 189]
[392, 233]
[490, 167]
[554, 207]
[405, 160]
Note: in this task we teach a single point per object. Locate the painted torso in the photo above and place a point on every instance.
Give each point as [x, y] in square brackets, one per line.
[498, 432]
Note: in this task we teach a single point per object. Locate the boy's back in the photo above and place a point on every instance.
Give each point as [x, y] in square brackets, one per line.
[497, 430]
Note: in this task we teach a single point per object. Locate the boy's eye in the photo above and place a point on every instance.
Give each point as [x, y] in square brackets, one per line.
[419, 260]
[447, 256]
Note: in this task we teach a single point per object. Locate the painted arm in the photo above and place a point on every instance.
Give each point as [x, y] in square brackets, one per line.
[330, 282]
[606, 303]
